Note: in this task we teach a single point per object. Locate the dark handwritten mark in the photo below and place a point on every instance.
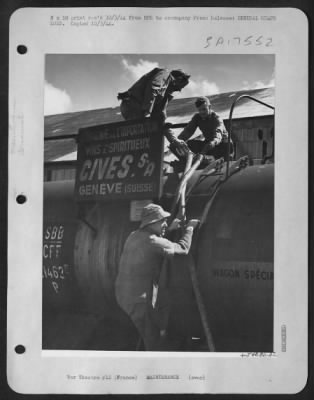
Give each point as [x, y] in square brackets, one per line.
[258, 355]
[247, 41]
[250, 40]
[208, 41]
[269, 42]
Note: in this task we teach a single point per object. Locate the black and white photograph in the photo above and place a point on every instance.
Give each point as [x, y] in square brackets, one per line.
[159, 202]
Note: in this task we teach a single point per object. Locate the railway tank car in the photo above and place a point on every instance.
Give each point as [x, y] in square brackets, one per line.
[220, 297]
[233, 251]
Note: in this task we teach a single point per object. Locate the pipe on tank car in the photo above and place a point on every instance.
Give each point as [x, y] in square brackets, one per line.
[186, 176]
[189, 170]
[230, 122]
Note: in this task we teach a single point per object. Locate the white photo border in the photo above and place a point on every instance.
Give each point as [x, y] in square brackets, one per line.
[227, 372]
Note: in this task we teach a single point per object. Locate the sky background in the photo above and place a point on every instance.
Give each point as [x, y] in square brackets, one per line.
[92, 81]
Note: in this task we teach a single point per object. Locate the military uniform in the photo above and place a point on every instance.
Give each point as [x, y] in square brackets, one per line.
[214, 131]
[150, 94]
[139, 271]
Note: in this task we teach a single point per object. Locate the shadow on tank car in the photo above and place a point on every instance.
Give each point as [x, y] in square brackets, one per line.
[233, 254]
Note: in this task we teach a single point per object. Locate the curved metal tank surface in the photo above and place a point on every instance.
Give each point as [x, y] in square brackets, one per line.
[235, 262]
[233, 254]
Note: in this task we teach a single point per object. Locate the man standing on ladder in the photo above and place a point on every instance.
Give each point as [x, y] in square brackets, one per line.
[139, 271]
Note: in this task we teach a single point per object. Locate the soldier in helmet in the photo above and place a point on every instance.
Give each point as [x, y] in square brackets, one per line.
[139, 270]
[150, 95]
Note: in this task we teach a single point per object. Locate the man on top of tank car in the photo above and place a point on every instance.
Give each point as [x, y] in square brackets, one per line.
[150, 95]
[139, 271]
[211, 125]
